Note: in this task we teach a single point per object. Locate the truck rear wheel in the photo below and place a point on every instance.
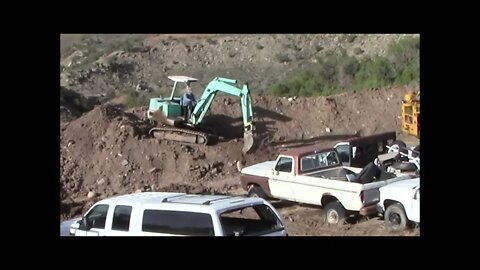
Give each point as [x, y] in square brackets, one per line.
[334, 213]
[256, 191]
[395, 217]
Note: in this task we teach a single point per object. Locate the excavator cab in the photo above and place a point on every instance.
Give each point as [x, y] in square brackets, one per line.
[169, 111]
[411, 114]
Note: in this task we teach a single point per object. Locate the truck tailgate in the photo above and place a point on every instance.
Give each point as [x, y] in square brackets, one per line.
[371, 191]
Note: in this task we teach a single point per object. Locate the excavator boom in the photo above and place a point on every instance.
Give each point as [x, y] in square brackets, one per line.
[227, 86]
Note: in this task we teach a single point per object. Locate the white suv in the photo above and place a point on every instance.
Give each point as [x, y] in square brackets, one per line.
[179, 214]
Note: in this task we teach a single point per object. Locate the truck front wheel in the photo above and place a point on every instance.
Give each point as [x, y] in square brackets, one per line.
[256, 191]
[334, 213]
[395, 217]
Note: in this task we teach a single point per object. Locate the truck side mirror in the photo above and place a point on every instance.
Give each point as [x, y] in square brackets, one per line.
[84, 224]
[415, 196]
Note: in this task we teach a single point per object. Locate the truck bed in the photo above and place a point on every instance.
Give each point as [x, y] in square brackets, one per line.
[334, 174]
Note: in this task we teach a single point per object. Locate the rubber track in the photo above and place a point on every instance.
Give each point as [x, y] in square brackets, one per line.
[184, 132]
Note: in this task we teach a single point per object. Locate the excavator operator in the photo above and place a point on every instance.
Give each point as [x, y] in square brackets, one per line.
[188, 102]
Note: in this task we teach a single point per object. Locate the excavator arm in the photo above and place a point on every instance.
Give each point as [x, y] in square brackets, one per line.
[228, 86]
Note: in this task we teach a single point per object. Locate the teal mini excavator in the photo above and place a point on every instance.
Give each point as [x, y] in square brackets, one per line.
[174, 124]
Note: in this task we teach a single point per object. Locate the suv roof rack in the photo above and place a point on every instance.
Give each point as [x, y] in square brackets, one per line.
[217, 199]
[176, 196]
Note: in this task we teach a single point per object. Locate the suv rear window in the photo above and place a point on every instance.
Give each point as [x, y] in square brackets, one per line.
[177, 222]
[250, 220]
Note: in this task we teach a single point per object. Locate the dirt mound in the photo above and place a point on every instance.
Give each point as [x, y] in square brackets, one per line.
[107, 151]
[73, 104]
[108, 143]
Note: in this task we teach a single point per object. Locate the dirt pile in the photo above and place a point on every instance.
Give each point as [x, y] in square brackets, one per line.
[73, 104]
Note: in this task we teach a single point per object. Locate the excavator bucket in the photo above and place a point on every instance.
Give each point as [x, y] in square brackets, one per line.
[248, 142]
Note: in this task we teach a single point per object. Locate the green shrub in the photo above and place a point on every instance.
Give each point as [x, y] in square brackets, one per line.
[404, 53]
[358, 51]
[351, 38]
[211, 41]
[282, 57]
[338, 72]
[135, 99]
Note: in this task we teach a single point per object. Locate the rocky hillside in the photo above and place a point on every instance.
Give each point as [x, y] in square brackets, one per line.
[111, 65]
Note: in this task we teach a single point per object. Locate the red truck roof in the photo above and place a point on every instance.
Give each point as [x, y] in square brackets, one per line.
[301, 151]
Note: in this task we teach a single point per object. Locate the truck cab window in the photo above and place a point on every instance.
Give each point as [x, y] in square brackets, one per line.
[332, 158]
[344, 153]
[97, 216]
[284, 164]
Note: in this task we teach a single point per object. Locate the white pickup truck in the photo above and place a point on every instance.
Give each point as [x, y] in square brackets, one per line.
[316, 176]
[400, 204]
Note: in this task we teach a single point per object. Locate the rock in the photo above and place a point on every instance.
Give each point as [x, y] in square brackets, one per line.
[101, 181]
[70, 143]
[124, 162]
[91, 194]
[328, 130]
[138, 191]
[152, 170]
[290, 99]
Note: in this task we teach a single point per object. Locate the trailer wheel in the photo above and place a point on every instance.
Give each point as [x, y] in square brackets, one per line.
[416, 148]
[256, 191]
[399, 146]
[396, 146]
[334, 213]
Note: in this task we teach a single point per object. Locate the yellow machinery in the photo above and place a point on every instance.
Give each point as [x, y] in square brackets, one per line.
[411, 113]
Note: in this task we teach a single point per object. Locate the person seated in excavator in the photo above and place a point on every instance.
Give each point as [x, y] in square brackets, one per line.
[188, 102]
